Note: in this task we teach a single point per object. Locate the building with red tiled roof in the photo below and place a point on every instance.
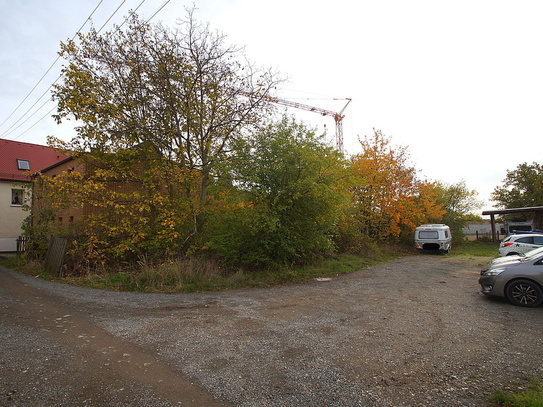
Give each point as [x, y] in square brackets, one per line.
[17, 161]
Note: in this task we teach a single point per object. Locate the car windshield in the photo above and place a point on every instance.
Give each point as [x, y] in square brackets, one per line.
[532, 254]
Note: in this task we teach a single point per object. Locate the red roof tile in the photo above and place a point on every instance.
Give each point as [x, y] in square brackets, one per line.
[39, 157]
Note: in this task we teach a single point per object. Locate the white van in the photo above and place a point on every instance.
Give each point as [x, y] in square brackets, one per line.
[435, 237]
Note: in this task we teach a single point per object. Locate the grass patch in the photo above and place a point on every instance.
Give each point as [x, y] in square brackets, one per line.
[30, 267]
[197, 275]
[13, 262]
[529, 393]
[475, 250]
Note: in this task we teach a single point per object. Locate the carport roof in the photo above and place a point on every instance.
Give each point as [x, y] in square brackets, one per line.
[513, 210]
[505, 211]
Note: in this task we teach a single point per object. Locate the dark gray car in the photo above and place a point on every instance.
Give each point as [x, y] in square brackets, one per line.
[521, 282]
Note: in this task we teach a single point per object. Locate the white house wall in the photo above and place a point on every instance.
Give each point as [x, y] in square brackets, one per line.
[11, 218]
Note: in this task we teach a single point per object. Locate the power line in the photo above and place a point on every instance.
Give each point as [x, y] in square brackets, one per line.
[111, 16]
[36, 123]
[158, 11]
[14, 126]
[43, 76]
[136, 9]
[10, 130]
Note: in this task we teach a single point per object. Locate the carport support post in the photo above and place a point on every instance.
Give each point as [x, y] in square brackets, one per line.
[493, 228]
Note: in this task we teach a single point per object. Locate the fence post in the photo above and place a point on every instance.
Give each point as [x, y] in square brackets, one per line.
[54, 259]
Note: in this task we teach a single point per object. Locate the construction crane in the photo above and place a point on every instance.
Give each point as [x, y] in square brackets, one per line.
[338, 117]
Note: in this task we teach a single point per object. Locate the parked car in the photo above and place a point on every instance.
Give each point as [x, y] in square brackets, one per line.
[521, 281]
[514, 257]
[519, 244]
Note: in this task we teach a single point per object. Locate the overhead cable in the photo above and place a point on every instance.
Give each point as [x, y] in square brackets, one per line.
[44, 75]
[13, 127]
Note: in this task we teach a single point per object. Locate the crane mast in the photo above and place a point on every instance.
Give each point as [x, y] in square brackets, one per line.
[338, 117]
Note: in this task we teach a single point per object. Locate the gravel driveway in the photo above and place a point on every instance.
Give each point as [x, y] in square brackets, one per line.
[412, 332]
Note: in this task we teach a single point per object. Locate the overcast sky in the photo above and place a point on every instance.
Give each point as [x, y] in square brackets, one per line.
[459, 83]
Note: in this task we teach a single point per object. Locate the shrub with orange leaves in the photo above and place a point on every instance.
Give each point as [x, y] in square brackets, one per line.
[388, 198]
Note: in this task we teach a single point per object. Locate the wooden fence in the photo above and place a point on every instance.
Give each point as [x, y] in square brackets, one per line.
[54, 259]
[21, 244]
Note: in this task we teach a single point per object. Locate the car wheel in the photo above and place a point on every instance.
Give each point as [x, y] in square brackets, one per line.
[512, 254]
[525, 293]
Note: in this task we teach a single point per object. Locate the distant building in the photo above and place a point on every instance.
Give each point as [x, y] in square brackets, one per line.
[477, 230]
[75, 213]
[17, 161]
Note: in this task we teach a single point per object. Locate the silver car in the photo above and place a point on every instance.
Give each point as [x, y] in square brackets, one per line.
[521, 281]
[515, 257]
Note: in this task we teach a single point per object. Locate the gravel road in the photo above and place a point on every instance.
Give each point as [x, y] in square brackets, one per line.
[412, 332]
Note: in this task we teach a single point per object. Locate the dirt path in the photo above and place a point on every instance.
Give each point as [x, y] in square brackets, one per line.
[52, 354]
[413, 332]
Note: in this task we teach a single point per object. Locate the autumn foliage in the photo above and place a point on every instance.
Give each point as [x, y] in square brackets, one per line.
[388, 198]
[176, 156]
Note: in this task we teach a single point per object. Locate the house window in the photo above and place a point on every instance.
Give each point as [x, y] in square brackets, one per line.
[17, 197]
[23, 165]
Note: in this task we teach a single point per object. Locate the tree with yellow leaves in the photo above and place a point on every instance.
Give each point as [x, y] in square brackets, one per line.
[157, 111]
